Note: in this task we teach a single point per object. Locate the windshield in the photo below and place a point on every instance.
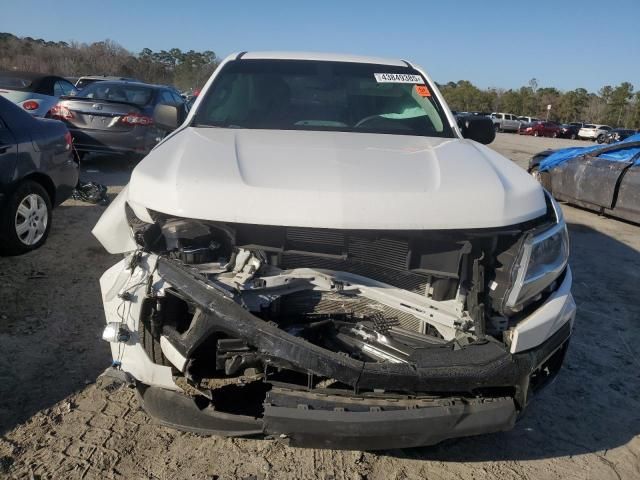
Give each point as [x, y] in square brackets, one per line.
[118, 92]
[330, 96]
[84, 82]
[14, 83]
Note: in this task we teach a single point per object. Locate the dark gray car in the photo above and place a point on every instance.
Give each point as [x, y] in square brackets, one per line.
[87, 80]
[117, 117]
[37, 173]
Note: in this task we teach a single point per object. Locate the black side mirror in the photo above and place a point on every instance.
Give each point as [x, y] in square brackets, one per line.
[478, 128]
[166, 117]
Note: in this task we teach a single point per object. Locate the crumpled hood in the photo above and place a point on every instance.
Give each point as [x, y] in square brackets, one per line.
[334, 180]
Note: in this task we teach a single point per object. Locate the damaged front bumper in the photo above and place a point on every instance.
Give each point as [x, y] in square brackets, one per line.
[480, 388]
[325, 421]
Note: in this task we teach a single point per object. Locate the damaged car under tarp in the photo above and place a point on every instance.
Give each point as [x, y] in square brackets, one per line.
[334, 289]
[605, 179]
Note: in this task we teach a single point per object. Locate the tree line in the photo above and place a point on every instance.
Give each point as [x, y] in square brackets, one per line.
[185, 70]
[617, 106]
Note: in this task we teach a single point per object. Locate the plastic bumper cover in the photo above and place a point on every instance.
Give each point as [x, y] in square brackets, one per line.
[138, 140]
[340, 429]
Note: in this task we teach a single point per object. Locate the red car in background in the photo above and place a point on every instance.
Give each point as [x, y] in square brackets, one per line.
[540, 129]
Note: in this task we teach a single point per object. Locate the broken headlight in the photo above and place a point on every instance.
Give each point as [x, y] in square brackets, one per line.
[542, 259]
[145, 232]
[191, 241]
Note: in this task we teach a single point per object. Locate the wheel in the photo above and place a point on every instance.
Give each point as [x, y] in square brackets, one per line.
[536, 133]
[574, 136]
[25, 220]
[600, 139]
[555, 135]
[497, 127]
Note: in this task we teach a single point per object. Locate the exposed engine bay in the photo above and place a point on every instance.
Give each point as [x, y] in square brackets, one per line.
[374, 296]
[252, 318]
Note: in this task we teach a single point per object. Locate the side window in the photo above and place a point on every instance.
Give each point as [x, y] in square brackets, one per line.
[166, 98]
[62, 87]
[498, 115]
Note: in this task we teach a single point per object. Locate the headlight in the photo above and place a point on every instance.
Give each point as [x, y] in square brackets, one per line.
[543, 257]
[145, 232]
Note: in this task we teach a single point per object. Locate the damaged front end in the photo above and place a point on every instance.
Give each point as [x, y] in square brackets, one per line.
[358, 339]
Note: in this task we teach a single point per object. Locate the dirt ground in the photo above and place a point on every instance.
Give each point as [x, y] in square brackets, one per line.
[55, 422]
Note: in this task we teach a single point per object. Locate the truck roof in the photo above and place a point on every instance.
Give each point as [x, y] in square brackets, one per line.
[327, 57]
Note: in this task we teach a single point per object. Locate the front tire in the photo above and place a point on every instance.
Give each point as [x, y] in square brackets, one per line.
[25, 220]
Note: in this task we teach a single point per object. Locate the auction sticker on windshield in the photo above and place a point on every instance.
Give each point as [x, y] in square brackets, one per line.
[423, 91]
[397, 78]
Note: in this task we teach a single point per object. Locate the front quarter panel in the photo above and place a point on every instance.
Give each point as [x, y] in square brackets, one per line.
[112, 229]
[131, 355]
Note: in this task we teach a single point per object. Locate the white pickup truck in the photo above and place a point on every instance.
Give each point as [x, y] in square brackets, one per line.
[505, 122]
[321, 254]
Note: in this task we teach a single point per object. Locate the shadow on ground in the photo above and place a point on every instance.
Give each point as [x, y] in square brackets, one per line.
[113, 171]
[51, 313]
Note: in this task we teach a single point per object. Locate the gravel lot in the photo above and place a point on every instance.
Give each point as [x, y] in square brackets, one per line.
[55, 422]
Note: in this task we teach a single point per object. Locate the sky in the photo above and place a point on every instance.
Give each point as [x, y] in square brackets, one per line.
[492, 43]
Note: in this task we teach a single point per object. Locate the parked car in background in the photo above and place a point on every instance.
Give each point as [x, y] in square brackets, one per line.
[35, 93]
[37, 173]
[301, 231]
[117, 117]
[540, 129]
[615, 135]
[592, 131]
[505, 122]
[526, 120]
[579, 125]
[604, 178]
[89, 79]
[569, 130]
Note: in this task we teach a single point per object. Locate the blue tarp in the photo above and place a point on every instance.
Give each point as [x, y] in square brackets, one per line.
[623, 155]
